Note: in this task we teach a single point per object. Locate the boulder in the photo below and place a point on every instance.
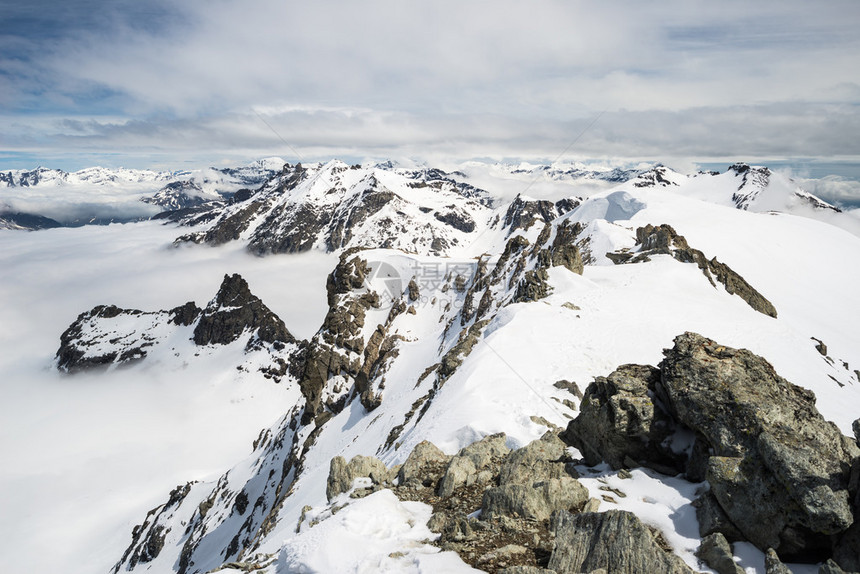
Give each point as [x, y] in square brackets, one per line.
[615, 540]
[538, 461]
[716, 553]
[779, 470]
[712, 518]
[534, 501]
[619, 421]
[424, 467]
[461, 472]
[527, 570]
[772, 563]
[342, 475]
[479, 461]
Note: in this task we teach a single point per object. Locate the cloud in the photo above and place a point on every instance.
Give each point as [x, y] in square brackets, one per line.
[73, 204]
[149, 79]
[834, 189]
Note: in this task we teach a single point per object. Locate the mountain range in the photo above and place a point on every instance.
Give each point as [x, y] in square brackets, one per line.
[636, 370]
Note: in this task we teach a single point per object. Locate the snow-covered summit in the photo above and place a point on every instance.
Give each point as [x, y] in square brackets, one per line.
[42, 176]
[333, 206]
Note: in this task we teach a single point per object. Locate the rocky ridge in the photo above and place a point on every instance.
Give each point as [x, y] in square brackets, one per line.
[664, 240]
[510, 511]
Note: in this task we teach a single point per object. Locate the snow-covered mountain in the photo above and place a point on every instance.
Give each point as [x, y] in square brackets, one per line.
[100, 195]
[632, 380]
[42, 176]
[333, 206]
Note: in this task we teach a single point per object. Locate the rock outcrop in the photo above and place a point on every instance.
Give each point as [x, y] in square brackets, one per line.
[531, 518]
[779, 474]
[235, 311]
[620, 424]
[107, 335]
[664, 240]
[717, 553]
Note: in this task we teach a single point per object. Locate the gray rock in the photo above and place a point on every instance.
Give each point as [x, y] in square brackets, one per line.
[712, 518]
[564, 251]
[535, 502]
[847, 551]
[487, 451]
[615, 540]
[618, 420]
[538, 461]
[717, 554]
[425, 465]
[504, 553]
[461, 472]
[772, 563]
[779, 471]
[342, 474]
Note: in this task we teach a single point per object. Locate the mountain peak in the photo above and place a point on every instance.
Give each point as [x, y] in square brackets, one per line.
[235, 310]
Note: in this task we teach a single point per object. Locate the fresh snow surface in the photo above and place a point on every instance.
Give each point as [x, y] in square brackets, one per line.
[378, 533]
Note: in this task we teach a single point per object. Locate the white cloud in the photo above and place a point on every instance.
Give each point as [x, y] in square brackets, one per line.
[689, 79]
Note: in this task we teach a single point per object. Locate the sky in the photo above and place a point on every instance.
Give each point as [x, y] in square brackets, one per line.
[155, 84]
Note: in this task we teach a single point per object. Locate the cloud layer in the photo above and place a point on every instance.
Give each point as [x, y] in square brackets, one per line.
[147, 82]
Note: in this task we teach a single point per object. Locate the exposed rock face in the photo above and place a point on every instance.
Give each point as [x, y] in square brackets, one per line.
[618, 421]
[338, 349]
[780, 475]
[210, 524]
[235, 310]
[615, 540]
[664, 240]
[562, 251]
[523, 213]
